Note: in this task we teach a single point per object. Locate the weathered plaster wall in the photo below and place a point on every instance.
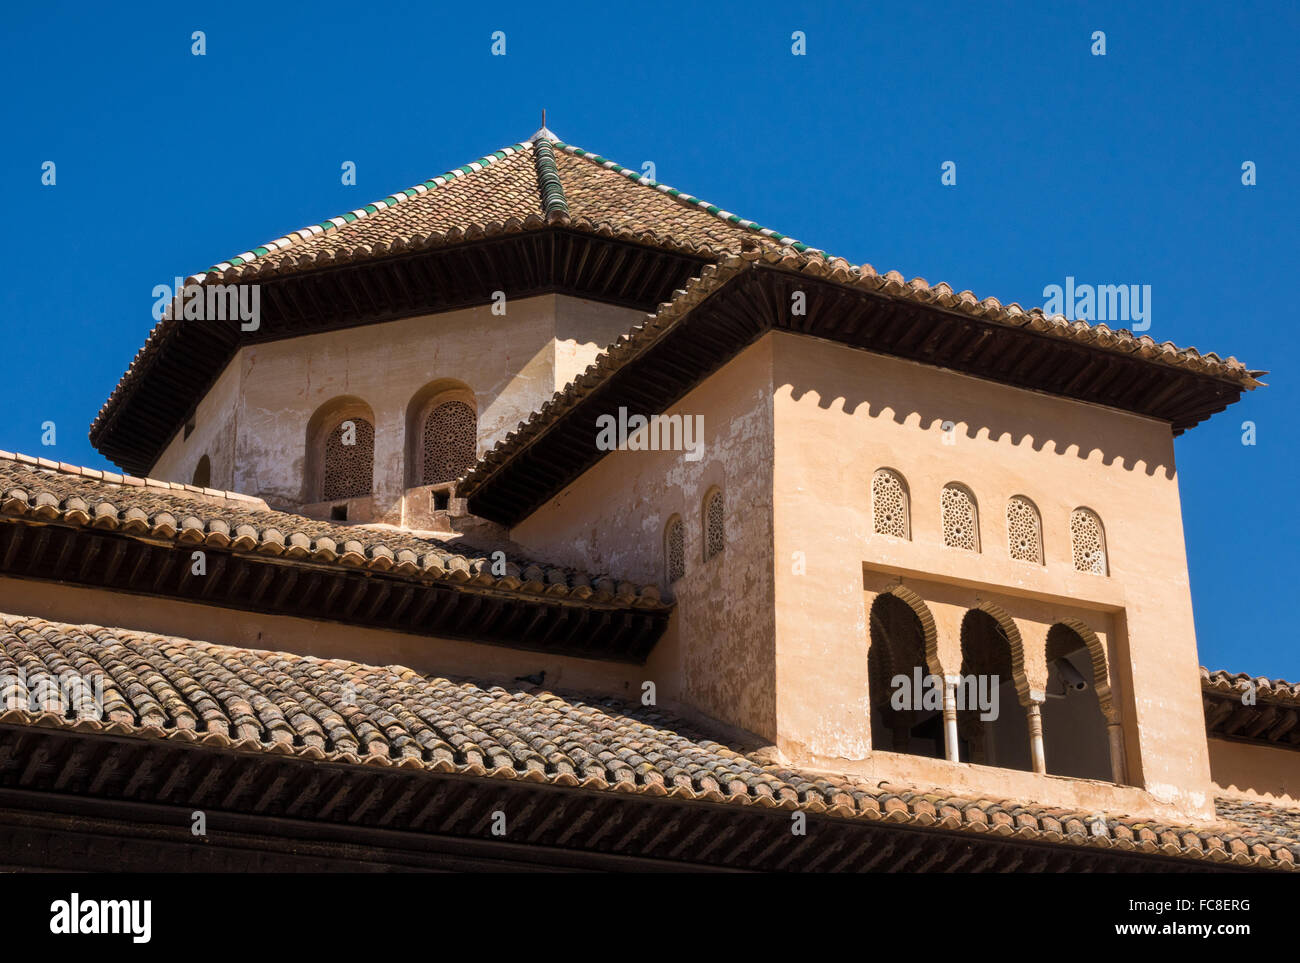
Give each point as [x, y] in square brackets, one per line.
[322, 639]
[253, 424]
[717, 655]
[216, 429]
[1254, 771]
[582, 330]
[506, 361]
[841, 413]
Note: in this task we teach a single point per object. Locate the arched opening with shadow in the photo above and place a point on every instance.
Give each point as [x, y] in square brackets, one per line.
[441, 433]
[340, 451]
[203, 473]
[906, 711]
[991, 725]
[1075, 739]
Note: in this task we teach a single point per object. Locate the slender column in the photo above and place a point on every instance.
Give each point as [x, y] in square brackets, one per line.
[950, 718]
[1117, 767]
[1033, 713]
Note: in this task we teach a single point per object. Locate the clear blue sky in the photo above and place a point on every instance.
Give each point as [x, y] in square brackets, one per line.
[1117, 169]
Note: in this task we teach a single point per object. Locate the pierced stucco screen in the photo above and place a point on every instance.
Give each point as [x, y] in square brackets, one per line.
[889, 504]
[450, 433]
[349, 460]
[1088, 541]
[675, 549]
[1024, 531]
[960, 522]
[715, 536]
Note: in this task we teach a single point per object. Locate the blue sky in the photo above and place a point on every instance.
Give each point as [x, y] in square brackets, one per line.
[1117, 169]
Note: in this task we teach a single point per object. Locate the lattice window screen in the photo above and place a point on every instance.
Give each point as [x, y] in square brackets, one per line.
[349, 469]
[889, 504]
[450, 433]
[715, 536]
[675, 549]
[1088, 541]
[960, 523]
[1024, 530]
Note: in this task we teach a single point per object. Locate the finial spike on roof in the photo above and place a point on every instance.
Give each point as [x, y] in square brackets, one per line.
[543, 133]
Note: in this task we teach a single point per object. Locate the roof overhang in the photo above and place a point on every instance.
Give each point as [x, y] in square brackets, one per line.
[733, 305]
[426, 275]
[155, 559]
[1238, 708]
[72, 789]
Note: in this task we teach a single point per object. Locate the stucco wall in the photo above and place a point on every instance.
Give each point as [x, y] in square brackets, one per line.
[841, 413]
[1255, 771]
[216, 429]
[253, 423]
[717, 655]
[322, 639]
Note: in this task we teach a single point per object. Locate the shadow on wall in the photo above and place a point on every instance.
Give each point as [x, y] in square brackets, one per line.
[1026, 425]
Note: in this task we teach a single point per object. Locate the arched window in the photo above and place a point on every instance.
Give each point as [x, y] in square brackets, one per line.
[203, 473]
[441, 440]
[715, 534]
[960, 518]
[1088, 541]
[349, 460]
[674, 549]
[450, 433]
[340, 451]
[889, 504]
[1024, 530]
[902, 718]
[1075, 739]
[989, 730]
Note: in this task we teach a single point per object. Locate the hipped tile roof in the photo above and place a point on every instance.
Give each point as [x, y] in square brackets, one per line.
[713, 278]
[1236, 684]
[514, 183]
[53, 491]
[168, 688]
[523, 187]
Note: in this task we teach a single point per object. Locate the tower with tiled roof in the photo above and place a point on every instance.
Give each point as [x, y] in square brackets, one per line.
[543, 491]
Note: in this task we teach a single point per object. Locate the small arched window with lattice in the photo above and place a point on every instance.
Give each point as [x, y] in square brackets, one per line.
[889, 504]
[715, 533]
[960, 518]
[674, 549]
[1088, 540]
[203, 473]
[450, 433]
[349, 462]
[1024, 530]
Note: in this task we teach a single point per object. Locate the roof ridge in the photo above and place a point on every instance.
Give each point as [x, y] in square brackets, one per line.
[554, 202]
[374, 207]
[783, 239]
[113, 478]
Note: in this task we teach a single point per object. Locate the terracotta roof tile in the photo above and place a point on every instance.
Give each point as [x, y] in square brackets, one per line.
[631, 346]
[165, 687]
[1236, 683]
[601, 191]
[159, 509]
[502, 188]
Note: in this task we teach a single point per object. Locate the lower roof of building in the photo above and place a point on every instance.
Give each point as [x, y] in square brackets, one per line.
[165, 689]
[136, 535]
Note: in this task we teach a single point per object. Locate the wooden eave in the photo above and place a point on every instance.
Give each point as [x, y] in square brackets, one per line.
[85, 800]
[170, 379]
[1266, 722]
[758, 300]
[302, 588]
